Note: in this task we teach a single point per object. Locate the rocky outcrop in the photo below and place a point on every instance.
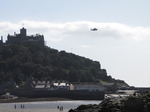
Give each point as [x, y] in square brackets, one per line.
[139, 103]
[7, 96]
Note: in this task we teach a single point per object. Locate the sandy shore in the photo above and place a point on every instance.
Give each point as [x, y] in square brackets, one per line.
[33, 110]
[31, 100]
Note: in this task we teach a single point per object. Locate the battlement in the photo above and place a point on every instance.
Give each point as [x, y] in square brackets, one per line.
[22, 38]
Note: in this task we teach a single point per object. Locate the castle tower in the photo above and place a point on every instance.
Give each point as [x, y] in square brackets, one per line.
[23, 32]
[2, 38]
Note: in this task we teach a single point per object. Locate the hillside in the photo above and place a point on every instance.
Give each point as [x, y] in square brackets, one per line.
[23, 63]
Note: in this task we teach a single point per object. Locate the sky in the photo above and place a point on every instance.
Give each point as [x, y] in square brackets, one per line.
[121, 43]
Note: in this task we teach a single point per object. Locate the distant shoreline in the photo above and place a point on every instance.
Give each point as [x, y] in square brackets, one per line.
[27, 99]
[23, 99]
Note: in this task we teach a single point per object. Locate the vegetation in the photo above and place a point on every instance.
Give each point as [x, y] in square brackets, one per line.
[22, 63]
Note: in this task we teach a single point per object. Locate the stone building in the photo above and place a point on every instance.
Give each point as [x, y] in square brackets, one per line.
[24, 38]
[87, 86]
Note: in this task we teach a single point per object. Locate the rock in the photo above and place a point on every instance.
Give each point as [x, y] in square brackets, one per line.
[7, 96]
[126, 104]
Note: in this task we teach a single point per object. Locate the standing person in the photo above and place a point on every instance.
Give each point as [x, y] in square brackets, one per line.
[62, 108]
[21, 106]
[15, 106]
[57, 107]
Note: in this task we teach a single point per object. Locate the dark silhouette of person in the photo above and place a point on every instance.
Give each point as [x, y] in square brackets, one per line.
[15, 106]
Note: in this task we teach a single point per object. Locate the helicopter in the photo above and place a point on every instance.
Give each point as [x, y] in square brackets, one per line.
[94, 29]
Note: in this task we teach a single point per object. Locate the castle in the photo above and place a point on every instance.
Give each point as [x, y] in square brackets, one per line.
[23, 38]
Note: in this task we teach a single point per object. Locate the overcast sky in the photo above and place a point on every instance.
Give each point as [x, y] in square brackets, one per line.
[122, 41]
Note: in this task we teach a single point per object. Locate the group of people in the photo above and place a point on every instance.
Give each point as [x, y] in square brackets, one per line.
[21, 106]
[60, 108]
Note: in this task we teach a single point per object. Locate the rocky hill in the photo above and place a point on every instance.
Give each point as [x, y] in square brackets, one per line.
[23, 63]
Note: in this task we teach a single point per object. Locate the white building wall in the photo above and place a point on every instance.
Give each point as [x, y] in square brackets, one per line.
[89, 87]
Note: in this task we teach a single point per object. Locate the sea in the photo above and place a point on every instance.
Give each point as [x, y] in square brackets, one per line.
[51, 105]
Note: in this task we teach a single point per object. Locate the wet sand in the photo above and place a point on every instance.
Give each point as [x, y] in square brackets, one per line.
[33, 110]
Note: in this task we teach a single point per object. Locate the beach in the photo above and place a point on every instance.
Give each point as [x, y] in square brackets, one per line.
[32, 110]
[44, 106]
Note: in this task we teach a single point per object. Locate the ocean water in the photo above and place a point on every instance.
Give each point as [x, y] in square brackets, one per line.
[48, 104]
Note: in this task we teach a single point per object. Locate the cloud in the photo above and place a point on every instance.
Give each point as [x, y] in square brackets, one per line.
[56, 31]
